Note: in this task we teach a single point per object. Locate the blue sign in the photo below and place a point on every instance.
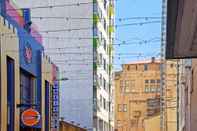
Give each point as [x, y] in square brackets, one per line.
[26, 15]
[55, 106]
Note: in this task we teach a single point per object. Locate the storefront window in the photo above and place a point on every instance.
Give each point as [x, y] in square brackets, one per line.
[28, 90]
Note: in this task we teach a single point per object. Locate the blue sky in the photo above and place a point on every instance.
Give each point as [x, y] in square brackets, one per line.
[135, 34]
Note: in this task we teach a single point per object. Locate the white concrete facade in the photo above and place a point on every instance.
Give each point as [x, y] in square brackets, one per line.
[69, 30]
[184, 95]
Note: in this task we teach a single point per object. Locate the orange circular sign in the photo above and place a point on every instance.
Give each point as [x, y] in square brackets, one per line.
[30, 117]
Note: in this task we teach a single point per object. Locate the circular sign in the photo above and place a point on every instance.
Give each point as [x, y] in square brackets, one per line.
[30, 117]
[28, 53]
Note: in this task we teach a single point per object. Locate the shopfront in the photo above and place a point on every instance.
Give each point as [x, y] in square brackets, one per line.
[9, 77]
[30, 79]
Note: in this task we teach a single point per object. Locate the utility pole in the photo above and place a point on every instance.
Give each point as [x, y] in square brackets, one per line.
[163, 68]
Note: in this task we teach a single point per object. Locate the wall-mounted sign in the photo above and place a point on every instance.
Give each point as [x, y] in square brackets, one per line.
[26, 15]
[55, 107]
[28, 53]
[30, 117]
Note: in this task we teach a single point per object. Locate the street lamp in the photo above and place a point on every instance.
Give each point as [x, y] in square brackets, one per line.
[60, 80]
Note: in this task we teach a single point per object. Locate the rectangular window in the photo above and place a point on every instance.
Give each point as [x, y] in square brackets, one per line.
[101, 35]
[171, 65]
[120, 107]
[126, 83]
[104, 83]
[152, 84]
[158, 84]
[153, 89]
[95, 7]
[101, 59]
[101, 100]
[122, 86]
[101, 79]
[100, 13]
[105, 45]
[146, 81]
[108, 87]
[107, 69]
[152, 81]
[110, 105]
[28, 90]
[145, 67]
[147, 90]
[128, 68]
[105, 4]
[127, 87]
[104, 64]
[95, 31]
[105, 25]
[124, 107]
[107, 105]
[104, 103]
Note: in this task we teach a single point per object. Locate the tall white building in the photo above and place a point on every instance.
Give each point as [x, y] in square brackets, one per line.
[78, 35]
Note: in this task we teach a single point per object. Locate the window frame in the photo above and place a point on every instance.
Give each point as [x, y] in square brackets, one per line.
[145, 67]
[31, 90]
[124, 108]
[120, 108]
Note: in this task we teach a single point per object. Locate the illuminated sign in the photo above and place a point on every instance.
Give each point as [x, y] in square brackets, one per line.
[30, 117]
